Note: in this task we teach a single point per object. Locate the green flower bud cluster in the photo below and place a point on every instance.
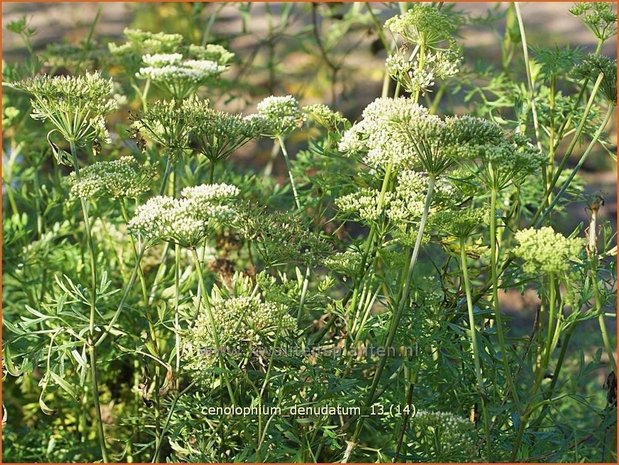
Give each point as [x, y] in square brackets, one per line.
[459, 224]
[246, 327]
[454, 434]
[592, 66]
[188, 220]
[281, 237]
[599, 17]
[140, 43]
[546, 251]
[75, 105]
[282, 115]
[179, 124]
[345, 263]
[424, 25]
[217, 134]
[116, 178]
[325, 117]
[501, 158]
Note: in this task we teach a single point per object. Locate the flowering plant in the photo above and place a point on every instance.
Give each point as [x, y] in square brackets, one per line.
[406, 274]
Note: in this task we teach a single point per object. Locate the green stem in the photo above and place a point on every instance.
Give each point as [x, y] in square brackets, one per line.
[280, 140]
[211, 319]
[583, 158]
[473, 336]
[211, 175]
[601, 322]
[570, 149]
[125, 214]
[177, 292]
[121, 304]
[368, 245]
[495, 296]
[93, 310]
[396, 316]
[539, 378]
[525, 52]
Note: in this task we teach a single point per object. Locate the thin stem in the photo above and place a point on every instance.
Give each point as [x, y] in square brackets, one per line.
[121, 304]
[396, 316]
[168, 419]
[525, 52]
[473, 336]
[211, 175]
[177, 292]
[568, 152]
[93, 310]
[125, 214]
[583, 158]
[495, 296]
[539, 377]
[211, 318]
[280, 140]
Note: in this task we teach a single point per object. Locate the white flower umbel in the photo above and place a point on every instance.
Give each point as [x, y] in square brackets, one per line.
[116, 178]
[185, 221]
[282, 115]
[75, 105]
[181, 73]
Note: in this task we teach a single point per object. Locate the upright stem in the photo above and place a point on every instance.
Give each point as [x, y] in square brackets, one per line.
[211, 319]
[473, 336]
[369, 242]
[495, 296]
[177, 329]
[583, 158]
[527, 64]
[125, 214]
[211, 175]
[93, 311]
[539, 377]
[280, 140]
[396, 316]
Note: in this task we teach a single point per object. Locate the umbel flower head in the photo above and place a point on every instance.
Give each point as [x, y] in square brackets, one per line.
[403, 207]
[419, 75]
[75, 105]
[188, 220]
[281, 115]
[217, 134]
[281, 237]
[546, 251]
[116, 178]
[140, 43]
[500, 158]
[326, 117]
[424, 25]
[380, 137]
[168, 123]
[458, 224]
[599, 17]
[592, 66]
[247, 328]
[454, 433]
[401, 133]
[428, 32]
[179, 76]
